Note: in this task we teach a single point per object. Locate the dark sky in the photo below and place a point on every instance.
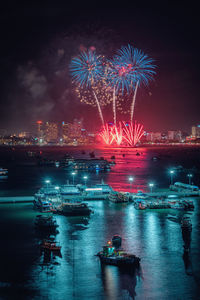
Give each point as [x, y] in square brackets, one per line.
[38, 41]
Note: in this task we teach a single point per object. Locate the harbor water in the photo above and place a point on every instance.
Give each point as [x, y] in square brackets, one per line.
[166, 271]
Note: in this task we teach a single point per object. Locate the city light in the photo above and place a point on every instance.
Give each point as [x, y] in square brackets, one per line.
[151, 185]
[189, 177]
[47, 181]
[85, 179]
[171, 175]
[73, 174]
[131, 182]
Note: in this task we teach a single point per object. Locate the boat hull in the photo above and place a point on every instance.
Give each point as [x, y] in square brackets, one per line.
[120, 262]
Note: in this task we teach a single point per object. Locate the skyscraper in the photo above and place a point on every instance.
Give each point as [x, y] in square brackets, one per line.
[196, 131]
[51, 132]
[40, 131]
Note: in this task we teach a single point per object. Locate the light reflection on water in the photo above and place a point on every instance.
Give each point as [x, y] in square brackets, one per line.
[166, 271]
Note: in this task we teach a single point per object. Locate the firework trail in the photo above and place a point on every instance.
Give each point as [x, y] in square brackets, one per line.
[117, 134]
[86, 70]
[138, 133]
[105, 135]
[133, 133]
[114, 107]
[133, 102]
[129, 133]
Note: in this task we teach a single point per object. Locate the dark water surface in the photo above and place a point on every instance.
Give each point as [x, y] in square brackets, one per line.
[166, 271]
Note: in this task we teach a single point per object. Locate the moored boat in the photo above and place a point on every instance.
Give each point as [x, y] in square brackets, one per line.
[140, 204]
[40, 203]
[118, 197]
[112, 255]
[73, 209]
[50, 246]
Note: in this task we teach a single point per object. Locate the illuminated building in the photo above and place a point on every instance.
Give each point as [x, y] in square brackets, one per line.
[175, 135]
[74, 132]
[76, 128]
[66, 131]
[196, 131]
[24, 134]
[153, 136]
[51, 132]
[40, 131]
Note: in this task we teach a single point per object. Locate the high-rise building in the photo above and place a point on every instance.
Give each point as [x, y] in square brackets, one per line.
[51, 132]
[72, 131]
[175, 135]
[153, 136]
[66, 129]
[76, 128]
[40, 130]
[196, 131]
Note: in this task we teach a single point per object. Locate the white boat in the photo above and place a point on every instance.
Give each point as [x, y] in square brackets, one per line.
[49, 194]
[106, 189]
[69, 190]
[181, 187]
[98, 192]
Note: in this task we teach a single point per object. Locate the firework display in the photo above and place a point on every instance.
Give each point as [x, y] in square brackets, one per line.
[99, 82]
[125, 134]
[132, 68]
[86, 70]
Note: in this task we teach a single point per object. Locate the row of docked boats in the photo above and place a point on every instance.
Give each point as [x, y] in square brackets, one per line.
[97, 192]
[66, 201]
[178, 204]
[65, 208]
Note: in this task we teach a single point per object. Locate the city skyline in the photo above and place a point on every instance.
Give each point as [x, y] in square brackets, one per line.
[35, 81]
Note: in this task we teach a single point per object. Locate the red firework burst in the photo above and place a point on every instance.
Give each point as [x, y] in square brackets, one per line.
[130, 133]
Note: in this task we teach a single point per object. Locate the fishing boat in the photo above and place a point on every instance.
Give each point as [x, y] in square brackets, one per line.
[112, 255]
[73, 209]
[50, 246]
[140, 204]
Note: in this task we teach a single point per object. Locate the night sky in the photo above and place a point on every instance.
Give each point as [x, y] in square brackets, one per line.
[39, 40]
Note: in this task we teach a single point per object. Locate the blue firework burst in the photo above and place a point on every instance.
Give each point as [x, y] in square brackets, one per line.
[87, 68]
[129, 67]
